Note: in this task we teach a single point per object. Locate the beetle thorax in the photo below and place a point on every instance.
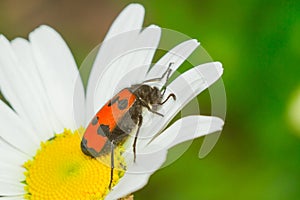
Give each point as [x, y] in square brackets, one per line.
[149, 95]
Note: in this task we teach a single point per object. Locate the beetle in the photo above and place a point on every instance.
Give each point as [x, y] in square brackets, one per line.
[123, 115]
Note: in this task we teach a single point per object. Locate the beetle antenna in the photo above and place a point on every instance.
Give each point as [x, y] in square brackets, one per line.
[168, 73]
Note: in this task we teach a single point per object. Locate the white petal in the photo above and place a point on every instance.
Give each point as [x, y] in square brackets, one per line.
[59, 73]
[11, 173]
[131, 18]
[186, 129]
[136, 61]
[126, 68]
[11, 188]
[147, 161]
[153, 156]
[185, 87]
[15, 132]
[12, 198]
[28, 77]
[177, 56]
[109, 51]
[19, 88]
[119, 39]
[11, 155]
[129, 183]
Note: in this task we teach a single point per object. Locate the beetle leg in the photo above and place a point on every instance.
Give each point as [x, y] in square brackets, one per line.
[136, 136]
[170, 95]
[112, 163]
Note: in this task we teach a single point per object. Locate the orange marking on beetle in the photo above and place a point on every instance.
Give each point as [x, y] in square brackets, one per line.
[111, 113]
[108, 115]
[94, 140]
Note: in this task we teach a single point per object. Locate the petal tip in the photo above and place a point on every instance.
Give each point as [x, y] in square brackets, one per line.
[135, 6]
[217, 123]
[218, 65]
[4, 41]
[41, 30]
[154, 29]
[220, 121]
[195, 41]
[2, 38]
[18, 40]
[154, 26]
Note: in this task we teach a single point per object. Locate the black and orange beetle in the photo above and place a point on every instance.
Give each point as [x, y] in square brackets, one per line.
[122, 115]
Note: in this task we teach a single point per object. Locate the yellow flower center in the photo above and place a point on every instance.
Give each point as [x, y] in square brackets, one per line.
[60, 170]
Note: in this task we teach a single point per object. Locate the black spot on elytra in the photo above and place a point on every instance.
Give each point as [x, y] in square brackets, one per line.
[123, 104]
[114, 100]
[103, 130]
[95, 120]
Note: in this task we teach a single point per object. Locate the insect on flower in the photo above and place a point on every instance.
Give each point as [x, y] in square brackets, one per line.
[121, 116]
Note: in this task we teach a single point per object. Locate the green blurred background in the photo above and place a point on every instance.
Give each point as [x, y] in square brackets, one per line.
[258, 42]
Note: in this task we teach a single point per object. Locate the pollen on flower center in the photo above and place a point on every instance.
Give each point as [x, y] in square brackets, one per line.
[59, 170]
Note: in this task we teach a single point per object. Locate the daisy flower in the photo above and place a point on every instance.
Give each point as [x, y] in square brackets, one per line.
[48, 108]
